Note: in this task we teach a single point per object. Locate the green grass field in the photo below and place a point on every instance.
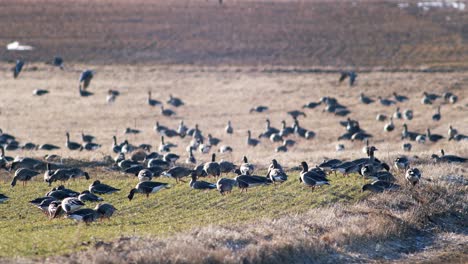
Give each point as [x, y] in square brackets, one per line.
[27, 232]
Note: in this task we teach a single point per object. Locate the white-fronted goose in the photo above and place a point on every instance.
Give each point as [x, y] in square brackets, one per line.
[282, 148]
[296, 113]
[174, 101]
[165, 147]
[397, 114]
[311, 105]
[380, 186]
[200, 185]
[225, 149]
[259, 109]
[247, 181]
[311, 178]
[408, 114]
[229, 130]
[225, 185]
[408, 134]
[406, 146]
[167, 112]
[401, 163]
[212, 168]
[177, 173]
[40, 92]
[3, 198]
[448, 158]
[171, 157]
[285, 130]
[151, 101]
[100, 188]
[365, 99]
[400, 98]
[413, 175]
[147, 187]
[381, 117]
[182, 129]
[389, 127]
[246, 168]
[251, 141]
[145, 175]
[85, 215]
[23, 175]
[71, 204]
[226, 166]
[275, 172]
[105, 210]
[85, 79]
[87, 196]
[213, 141]
[72, 145]
[385, 102]
[191, 159]
[433, 137]
[17, 69]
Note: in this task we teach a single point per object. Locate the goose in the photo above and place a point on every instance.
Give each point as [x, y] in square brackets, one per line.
[111, 96]
[87, 138]
[135, 169]
[282, 148]
[226, 166]
[75, 173]
[3, 198]
[259, 109]
[447, 96]
[195, 132]
[285, 130]
[275, 172]
[247, 181]
[145, 175]
[200, 185]
[276, 138]
[3, 160]
[379, 186]
[453, 99]
[328, 165]
[229, 130]
[340, 147]
[381, 117]
[298, 130]
[448, 158]
[365, 99]
[156, 170]
[125, 164]
[138, 156]
[159, 128]
[225, 149]
[408, 134]
[251, 141]
[309, 134]
[421, 139]
[269, 130]
[133, 131]
[40, 92]
[386, 102]
[90, 146]
[425, 100]
[147, 187]
[452, 132]
[182, 129]
[167, 112]
[352, 77]
[71, 204]
[406, 146]
[12, 145]
[360, 136]
[397, 114]
[433, 137]
[60, 194]
[174, 101]
[85, 215]
[408, 114]
[100, 188]
[158, 163]
[27, 163]
[198, 169]
[401, 163]
[311, 178]
[246, 168]
[212, 168]
[204, 148]
[296, 113]
[177, 173]
[87, 196]
[213, 141]
[400, 98]
[85, 79]
[389, 127]
[225, 185]
[116, 148]
[72, 145]
[163, 147]
[152, 102]
[58, 175]
[431, 96]
[311, 105]
[105, 210]
[437, 115]
[54, 209]
[346, 168]
[191, 159]
[413, 175]
[17, 69]
[23, 175]
[171, 157]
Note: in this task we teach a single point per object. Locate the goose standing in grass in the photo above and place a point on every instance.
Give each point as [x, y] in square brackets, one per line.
[225, 185]
[3, 198]
[400, 98]
[365, 99]
[191, 159]
[247, 181]
[251, 141]
[177, 173]
[40, 92]
[275, 172]
[285, 130]
[90, 146]
[167, 112]
[311, 178]
[379, 186]
[174, 101]
[212, 141]
[413, 175]
[145, 175]
[381, 117]
[87, 196]
[246, 168]
[87, 138]
[437, 115]
[85, 215]
[85, 79]
[111, 96]
[296, 113]
[200, 185]
[226, 166]
[71, 204]
[408, 114]
[171, 158]
[23, 175]
[100, 188]
[433, 137]
[54, 209]
[408, 134]
[406, 147]
[401, 163]
[448, 158]
[212, 168]
[182, 129]
[146, 188]
[431, 96]
[389, 127]
[397, 114]
[348, 74]
[385, 102]
[225, 149]
[17, 69]
[282, 148]
[229, 130]
[165, 147]
[269, 130]
[151, 101]
[105, 210]
[311, 105]
[452, 132]
[72, 145]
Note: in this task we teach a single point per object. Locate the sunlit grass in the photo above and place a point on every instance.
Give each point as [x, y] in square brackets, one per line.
[27, 232]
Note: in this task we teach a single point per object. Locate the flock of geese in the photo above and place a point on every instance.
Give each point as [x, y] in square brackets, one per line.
[147, 165]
